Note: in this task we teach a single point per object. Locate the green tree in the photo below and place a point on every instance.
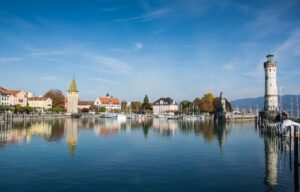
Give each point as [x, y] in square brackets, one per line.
[136, 106]
[57, 109]
[20, 109]
[94, 108]
[124, 106]
[146, 104]
[186, 106]
[197, 105]
[4, 108]
[102, 109]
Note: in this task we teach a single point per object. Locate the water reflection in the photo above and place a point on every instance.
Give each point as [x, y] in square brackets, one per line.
[165, 127]
[54, 130]
[71, 126]
[66, 130]
[271, 160]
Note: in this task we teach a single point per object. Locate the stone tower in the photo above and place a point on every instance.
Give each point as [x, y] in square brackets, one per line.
[72, 98]
[271, 94]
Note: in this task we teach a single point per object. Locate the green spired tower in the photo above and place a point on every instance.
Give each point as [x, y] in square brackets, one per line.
[72, 98]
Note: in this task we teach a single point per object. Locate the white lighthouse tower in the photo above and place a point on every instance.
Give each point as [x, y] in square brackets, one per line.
[72, 98]
[271, 93]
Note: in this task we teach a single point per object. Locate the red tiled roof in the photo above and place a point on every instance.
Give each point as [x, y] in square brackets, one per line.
[3, 91]
[85, 102]
[9, 92]
[13, 92]
[108, 100]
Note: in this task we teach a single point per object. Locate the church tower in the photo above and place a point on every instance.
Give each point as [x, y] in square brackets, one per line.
[271, 94]
[72, 98]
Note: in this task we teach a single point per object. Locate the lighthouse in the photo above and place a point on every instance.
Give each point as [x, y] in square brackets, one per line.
[271, 93]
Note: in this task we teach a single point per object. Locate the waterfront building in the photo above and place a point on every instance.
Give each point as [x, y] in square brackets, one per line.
[164, 105]
[85, 104]
[109, 102]
[40, 102]
[18, 97]
[72, 98]
[14, 97]
[4, 97]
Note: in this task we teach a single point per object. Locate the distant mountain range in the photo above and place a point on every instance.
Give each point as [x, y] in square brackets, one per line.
[253, 103]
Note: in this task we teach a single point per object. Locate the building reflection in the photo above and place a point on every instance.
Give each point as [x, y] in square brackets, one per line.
[40, 128]
[106, 127]
[71, 127]
[222, 129]
[13, 133]
[165, 127]
[10, 135]
[208, 129]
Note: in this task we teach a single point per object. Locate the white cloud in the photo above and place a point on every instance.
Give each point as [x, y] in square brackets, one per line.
[257, 73]
[101, 80]
[113, 63]
[49, 78]
[229, 67]
[9, 59]
[138, 45]
[148, 16]
[291, 46]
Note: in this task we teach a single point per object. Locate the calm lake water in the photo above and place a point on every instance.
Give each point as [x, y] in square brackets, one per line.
[156, 155]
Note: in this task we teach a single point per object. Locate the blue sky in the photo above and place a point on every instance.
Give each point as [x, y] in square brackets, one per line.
[178, 48]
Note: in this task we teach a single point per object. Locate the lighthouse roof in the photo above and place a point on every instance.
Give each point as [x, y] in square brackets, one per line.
[73, 86]
[270, 62]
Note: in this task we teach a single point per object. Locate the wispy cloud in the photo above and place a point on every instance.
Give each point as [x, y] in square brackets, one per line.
[40, 53]
[113, 63]
[148, 16]
[111, 9]
[138, 45]
[49, 78]
[9, 19]
[9, 59]
[159, 31]
[257, 73]
[229, 67]
[101, 80]
[290, 46]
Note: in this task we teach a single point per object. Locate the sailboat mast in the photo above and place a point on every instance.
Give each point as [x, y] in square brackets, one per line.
[297, 106]
[291, 107]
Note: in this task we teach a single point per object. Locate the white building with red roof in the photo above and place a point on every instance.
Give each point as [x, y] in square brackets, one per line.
[109, 102]
[13, 97]
[4, 97]
[40, 102]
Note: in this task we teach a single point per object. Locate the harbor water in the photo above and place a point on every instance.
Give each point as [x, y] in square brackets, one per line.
[95, 154]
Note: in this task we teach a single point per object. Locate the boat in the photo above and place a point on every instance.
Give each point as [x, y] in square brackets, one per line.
[173, 117]
[161, 116]
[109, 115]
[132, 116]
[194, 118]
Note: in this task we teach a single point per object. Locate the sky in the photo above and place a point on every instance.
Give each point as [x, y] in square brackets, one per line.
[176, 48]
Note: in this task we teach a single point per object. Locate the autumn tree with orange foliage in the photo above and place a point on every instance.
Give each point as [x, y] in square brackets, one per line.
[57, 96]
[208, 103]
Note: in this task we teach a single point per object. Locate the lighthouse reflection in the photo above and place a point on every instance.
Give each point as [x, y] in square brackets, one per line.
[271, 161]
